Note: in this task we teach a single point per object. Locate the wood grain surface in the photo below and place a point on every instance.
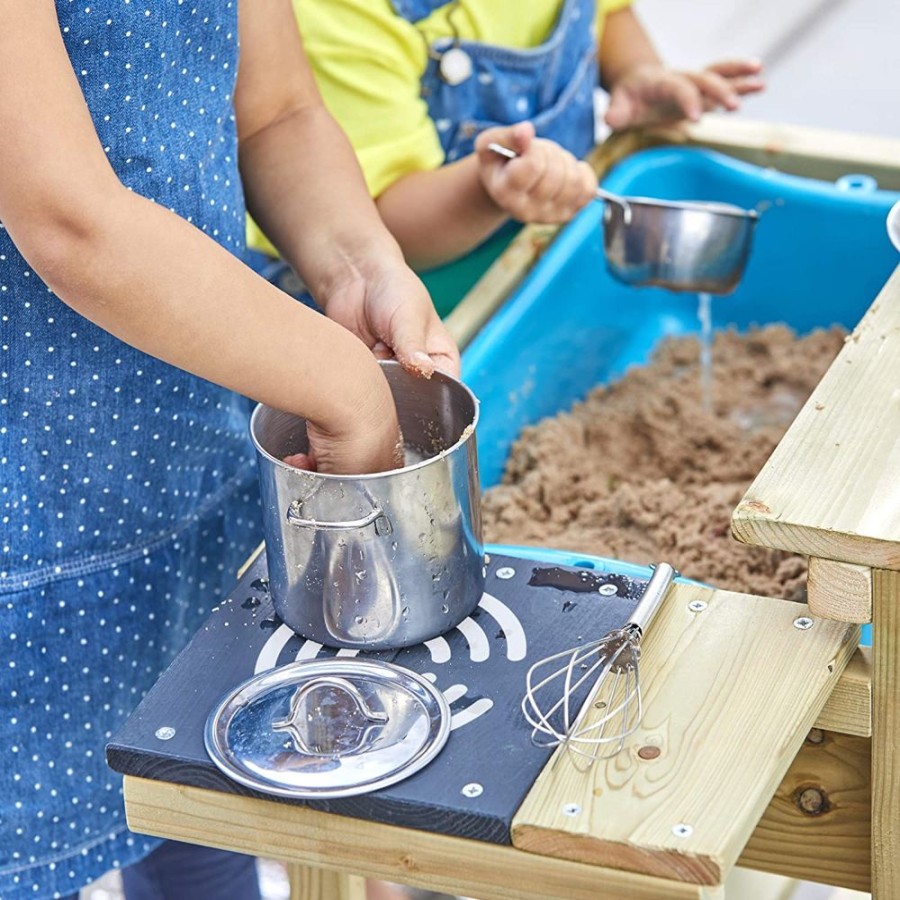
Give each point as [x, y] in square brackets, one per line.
[730, 694]
[830, 489]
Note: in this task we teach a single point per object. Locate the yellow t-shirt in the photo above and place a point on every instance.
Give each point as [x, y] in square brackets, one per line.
[368, 63]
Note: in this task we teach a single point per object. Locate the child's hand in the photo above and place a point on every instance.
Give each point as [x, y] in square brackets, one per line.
[650, 94]
[385, 304]
[544, 184]
[369, 451]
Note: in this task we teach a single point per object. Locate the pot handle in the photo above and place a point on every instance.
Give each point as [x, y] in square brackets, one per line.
[376, 517]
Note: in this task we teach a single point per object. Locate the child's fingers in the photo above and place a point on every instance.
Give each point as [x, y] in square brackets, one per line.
[620, 112]
[735, 68]
[516, 137]
[716, 88]
[521, 176]
[579, 188]
[684, 93]
[546, 192]
[305, 461]
[744, 86]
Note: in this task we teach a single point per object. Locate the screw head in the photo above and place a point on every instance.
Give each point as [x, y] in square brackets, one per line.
[472, 789]
[607, 590]
[165, 733]
[682, 830]
[804, 623]
[505, 573]
[697, 605]
[571, 809]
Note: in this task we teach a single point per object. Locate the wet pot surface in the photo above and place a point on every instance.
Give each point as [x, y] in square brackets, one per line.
[377, 561]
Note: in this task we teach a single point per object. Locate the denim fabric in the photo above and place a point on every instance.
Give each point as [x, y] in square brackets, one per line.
[176, 871]
[551, 85]
[127, 487]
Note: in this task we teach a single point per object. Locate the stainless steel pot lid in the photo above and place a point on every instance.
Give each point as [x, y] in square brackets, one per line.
[328, 728]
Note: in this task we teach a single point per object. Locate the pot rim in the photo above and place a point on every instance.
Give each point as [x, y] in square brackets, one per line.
[467, 434]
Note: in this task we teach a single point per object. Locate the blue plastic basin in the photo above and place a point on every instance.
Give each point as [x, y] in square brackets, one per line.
[820, 256]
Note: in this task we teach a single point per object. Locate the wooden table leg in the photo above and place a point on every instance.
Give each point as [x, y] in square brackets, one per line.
[313, 883]
[885, 734]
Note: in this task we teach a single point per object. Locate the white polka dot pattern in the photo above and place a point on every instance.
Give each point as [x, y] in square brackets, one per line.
[127, 487]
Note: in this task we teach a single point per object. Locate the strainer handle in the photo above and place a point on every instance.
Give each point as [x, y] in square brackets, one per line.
[653, 596]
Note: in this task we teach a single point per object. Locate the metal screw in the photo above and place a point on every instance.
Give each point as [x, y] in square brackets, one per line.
[804, 623]
[682, 830]
[571, 809]
[697, 605]
[166, 733]
[506, 572]
[607, 590]
[473, 789]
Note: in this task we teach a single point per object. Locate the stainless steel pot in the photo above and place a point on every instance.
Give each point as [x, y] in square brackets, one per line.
[377, 561]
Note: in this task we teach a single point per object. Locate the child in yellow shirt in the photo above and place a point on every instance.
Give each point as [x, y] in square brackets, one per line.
[422, 86]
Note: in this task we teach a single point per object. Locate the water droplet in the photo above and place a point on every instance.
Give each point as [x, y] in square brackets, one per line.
[360, 620]
[394, 546]
[405, 612]
[445, 609]
[360, 575]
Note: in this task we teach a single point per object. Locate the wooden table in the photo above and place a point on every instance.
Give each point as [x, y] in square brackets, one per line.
[763, 731]
[831, 491]
[732, 689]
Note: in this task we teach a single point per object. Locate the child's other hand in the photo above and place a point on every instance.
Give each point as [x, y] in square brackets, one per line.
[385, 304]
[650, 94]
[544, 184]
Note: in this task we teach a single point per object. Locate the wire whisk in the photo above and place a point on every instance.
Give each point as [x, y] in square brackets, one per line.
[607, 670]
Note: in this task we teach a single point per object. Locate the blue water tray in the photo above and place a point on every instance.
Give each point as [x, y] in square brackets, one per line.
[820, 256]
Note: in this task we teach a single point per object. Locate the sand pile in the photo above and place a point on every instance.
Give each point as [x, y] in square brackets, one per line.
[642, 472]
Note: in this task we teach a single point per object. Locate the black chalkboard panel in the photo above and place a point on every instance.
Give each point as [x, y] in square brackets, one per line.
[474, 787]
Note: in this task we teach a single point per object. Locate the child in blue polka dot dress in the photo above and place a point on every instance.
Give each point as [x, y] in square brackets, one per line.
[127, 481]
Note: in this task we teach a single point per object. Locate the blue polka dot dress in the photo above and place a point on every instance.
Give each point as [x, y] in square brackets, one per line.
[127, 487]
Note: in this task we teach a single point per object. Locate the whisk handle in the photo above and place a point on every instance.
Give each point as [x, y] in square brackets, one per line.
[652, 596]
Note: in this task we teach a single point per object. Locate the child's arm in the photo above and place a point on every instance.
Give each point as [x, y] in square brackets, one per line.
[643, 91]
[157, 282]
[305, 189]
[441, 214]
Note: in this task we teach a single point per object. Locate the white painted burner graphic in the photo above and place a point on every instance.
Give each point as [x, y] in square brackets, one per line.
[439, 649]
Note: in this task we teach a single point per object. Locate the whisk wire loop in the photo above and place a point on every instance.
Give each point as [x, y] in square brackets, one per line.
[588, 698]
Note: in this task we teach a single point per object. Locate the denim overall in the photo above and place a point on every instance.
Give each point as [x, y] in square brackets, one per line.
[551, 85]
[127, 487]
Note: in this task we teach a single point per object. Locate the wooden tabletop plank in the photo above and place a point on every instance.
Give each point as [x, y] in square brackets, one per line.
[831, 488]
[730, 694]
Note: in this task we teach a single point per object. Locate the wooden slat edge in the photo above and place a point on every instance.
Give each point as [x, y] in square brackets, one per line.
[299, 835]
[885, 735]
[826, 490]
[848, 709]
[838, 590]
[821, 153]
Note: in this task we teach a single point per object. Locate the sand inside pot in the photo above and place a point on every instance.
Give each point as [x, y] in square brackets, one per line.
[641, 471]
